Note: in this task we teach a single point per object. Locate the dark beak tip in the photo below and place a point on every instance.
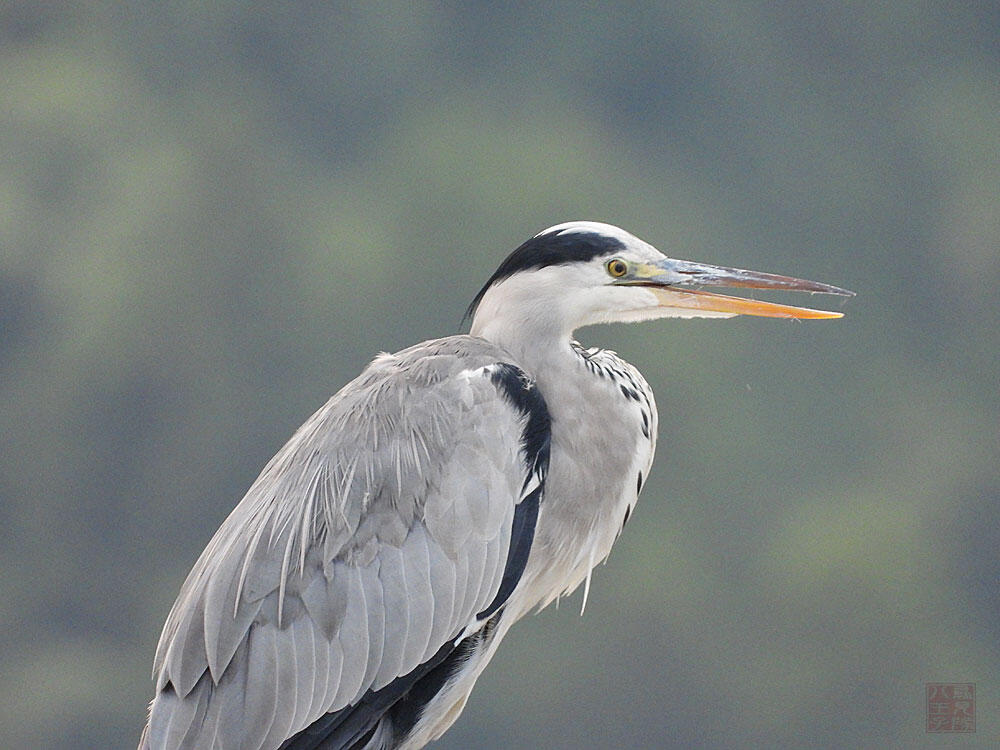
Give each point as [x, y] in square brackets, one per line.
[817, 287]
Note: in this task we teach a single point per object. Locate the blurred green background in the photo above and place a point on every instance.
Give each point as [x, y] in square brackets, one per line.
[213, 215]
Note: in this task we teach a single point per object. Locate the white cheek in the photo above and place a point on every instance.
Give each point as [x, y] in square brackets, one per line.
[642, 296]
[616, 304]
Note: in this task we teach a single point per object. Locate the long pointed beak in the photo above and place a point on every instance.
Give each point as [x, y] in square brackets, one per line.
[675, 281]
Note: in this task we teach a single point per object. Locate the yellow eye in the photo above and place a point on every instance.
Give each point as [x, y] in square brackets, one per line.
[616, 267]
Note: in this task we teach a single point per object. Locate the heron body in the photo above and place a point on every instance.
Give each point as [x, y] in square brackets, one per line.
[355, 594]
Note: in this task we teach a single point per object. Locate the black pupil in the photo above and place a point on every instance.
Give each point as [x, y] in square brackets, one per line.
[617, 268]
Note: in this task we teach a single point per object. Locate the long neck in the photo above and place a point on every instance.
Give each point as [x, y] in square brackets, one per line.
[598, 447]
[526, 324]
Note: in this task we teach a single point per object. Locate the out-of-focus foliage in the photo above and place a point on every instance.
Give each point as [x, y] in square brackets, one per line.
[213, 214]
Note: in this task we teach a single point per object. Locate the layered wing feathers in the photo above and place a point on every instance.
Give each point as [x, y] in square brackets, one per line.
[370, 540]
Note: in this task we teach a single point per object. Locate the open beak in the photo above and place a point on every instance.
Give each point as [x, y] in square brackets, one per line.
[673, 282]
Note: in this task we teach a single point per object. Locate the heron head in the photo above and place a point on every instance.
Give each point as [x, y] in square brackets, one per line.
[583, 272]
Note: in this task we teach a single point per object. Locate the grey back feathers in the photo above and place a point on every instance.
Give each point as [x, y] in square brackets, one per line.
[377, 534]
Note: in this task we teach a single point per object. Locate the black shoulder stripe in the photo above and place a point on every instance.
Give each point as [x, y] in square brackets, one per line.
[522, 533]
[535, 442]
[537, 432]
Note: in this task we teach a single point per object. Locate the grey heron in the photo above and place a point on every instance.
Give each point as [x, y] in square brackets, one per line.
[355, 594]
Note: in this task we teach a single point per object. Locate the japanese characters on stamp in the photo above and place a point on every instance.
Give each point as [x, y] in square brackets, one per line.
[951, 707]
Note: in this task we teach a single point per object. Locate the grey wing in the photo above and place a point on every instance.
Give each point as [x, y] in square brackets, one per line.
[396, 519]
